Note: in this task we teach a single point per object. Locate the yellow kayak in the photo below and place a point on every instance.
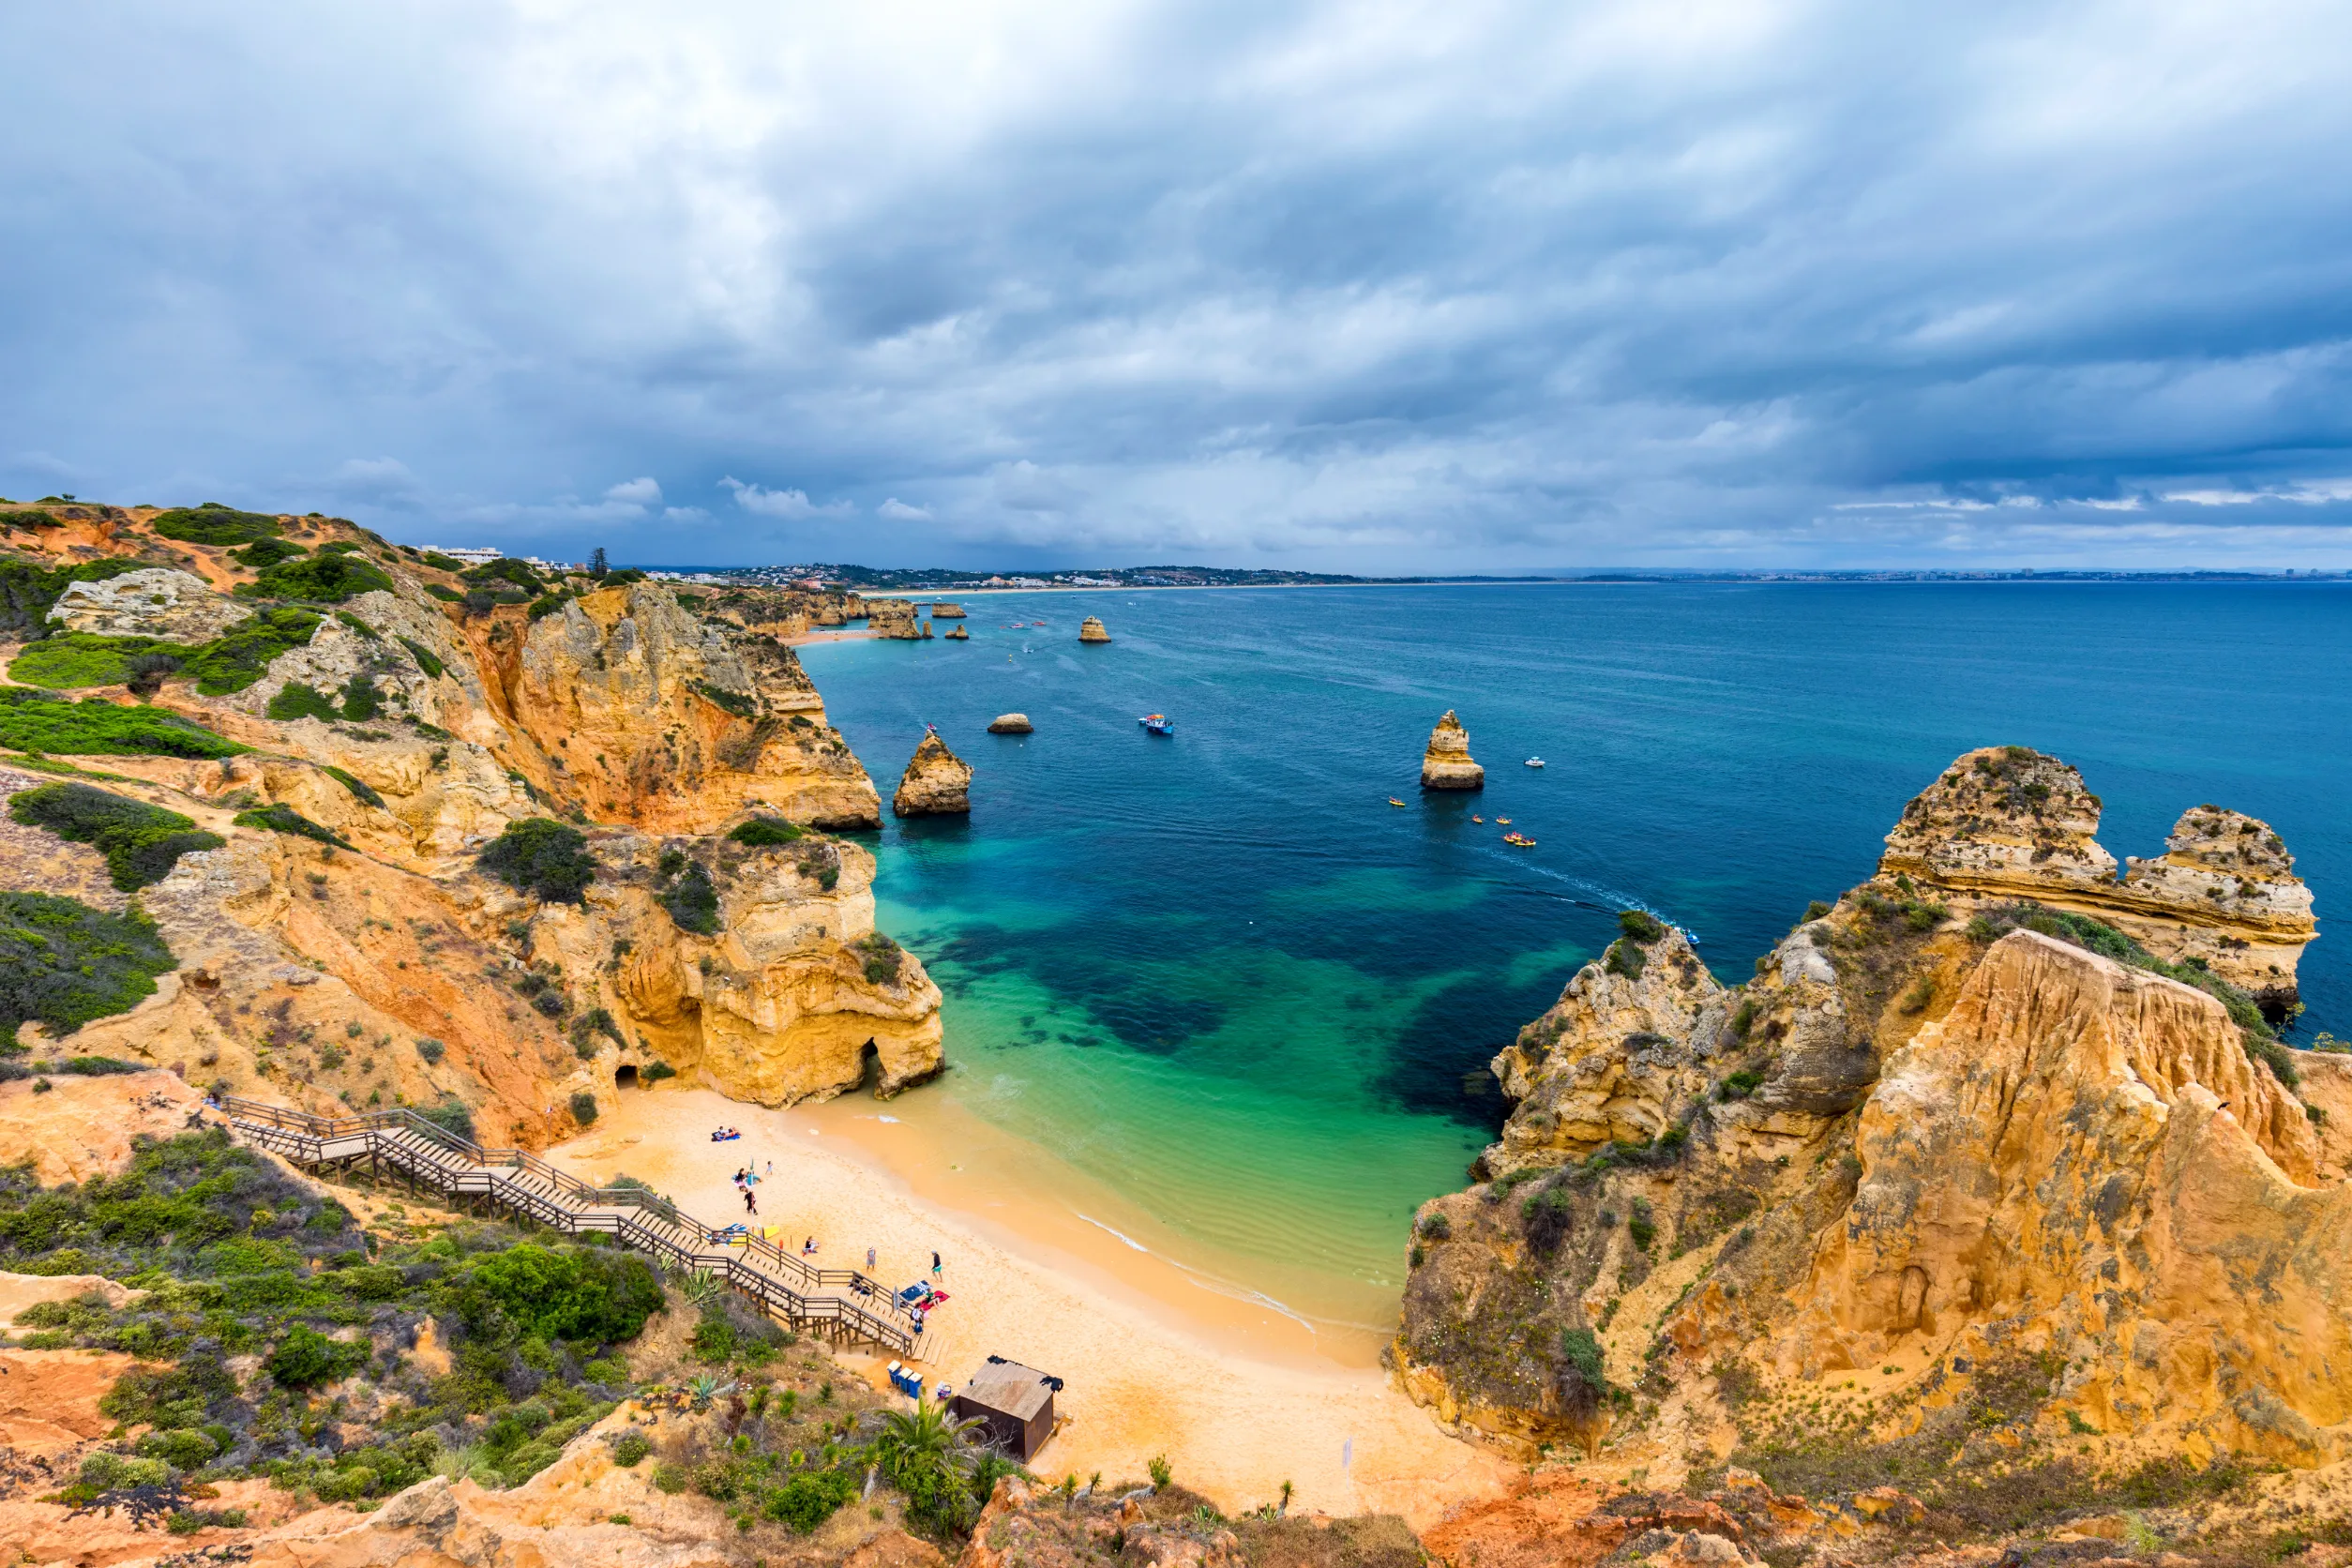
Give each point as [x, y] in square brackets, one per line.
[1393, 801]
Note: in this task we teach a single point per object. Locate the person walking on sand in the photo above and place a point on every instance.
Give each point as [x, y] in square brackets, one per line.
[869, 1259]
[936, 1266]
[750, 1204]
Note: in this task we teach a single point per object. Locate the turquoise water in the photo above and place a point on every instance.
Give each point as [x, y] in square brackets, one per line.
[1222, 975]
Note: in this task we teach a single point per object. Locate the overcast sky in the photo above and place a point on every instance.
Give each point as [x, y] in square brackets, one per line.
[1380, 286]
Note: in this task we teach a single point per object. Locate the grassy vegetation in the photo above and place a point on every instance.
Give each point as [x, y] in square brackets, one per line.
[736, 703]
[214, 524]
[321, 579]
[441, 563]
[32, 719]
[692, 901]
[760, 832]
[299, 699]
[63, 964]
[426, 659]
[281, 818]
[141, 842]
[240, 657]
[542, 856]
[68, 659]
[882, 958]
[266, 552]
[364, 791]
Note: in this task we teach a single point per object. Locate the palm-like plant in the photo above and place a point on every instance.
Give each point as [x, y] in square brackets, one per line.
[705, 1389]
[702, 1287]
[927, 1453]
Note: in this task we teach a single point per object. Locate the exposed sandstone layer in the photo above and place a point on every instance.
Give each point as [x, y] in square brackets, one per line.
[938, 783]
[2005, 823]
[1011, 724]
[160, 601]
[1446, 764]
[893, 618]
[2018, 1196]
[958, 634]
[83, 1127]
[1091, 630]
[942, 610]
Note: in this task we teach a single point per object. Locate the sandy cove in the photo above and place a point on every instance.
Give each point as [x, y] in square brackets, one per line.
[1146, 1373]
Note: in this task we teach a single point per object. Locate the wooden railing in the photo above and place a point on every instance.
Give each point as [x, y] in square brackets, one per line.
[839, 1300]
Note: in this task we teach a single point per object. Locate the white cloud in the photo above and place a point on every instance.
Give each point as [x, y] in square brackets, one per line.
[635, 493]
[899, 511]
[789, 503]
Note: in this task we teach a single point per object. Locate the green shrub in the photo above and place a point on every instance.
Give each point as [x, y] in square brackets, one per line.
[278, 817]
[71, 660]
[361, 700]
[321, 579]
[736, 702]
[441, 563]
[32, 719]
[241, 655]
[299, 699]
[669, 1478]
[443, 591]
[507, 569]
[1581, 1349]
[1640, 1227]
[1624, 956]
[630, 1450]
[357, 786]
[583, 1106]
[655, 1071]
[141, 842]
[1744, 1019]
[450, 1116]
[548, 604]
[1738, 1085]
[426, 659]
[1641, 927]
[763, 831]
[883, 957]
[185, 1449]
[63, 964]
[542, 856]
[266, 552]
[572, 1294]
[214, 524]
[1815, 911]
[692, 901]
[27, 517]
[808, 1500]
[362, 627]
[306, 1358]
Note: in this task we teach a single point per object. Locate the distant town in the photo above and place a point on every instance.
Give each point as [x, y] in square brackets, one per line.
[939, 579]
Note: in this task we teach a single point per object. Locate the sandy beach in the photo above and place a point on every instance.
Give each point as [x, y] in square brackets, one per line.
[1240, 1396]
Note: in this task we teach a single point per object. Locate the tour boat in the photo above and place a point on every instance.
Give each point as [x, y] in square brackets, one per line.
[1158, 723]
[1521, 840]
[1535, 761]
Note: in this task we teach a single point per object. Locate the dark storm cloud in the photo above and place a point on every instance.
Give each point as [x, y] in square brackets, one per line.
[1376, 286]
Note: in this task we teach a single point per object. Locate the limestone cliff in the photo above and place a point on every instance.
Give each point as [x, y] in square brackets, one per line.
[1446, 764]
[1963, 1175]
[1091, 630]
[405, 715]
[894, 618]
[2005, 823]
[938, 783]
[942, 610]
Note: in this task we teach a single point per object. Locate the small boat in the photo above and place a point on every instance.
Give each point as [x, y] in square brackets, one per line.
[1158, 723]
[1535, 761]
[1477, 819]
[1504, 822]
[1521, 840]
[1393, 801]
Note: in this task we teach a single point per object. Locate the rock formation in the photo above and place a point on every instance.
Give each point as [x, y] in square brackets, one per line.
[1963, 1171]
[1447, 765]
[359, 957]
[2005, 822]
[1091, 630]
[938, 783]
[958, 634]
[1011, 724]
[942, 610]
[159, 602]
[894, 618]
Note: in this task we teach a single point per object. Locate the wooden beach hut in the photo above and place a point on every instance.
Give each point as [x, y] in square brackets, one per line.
[1013, 1403]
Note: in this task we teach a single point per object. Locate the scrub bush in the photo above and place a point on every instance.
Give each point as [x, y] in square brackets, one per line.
[63, 964]
[141, 842]
[241, 655]
[319, 579]
[542, 856]
[32, 719]
[214, 524]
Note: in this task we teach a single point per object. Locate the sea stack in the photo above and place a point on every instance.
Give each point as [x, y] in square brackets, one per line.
[942, 610]
[938, 783]
[1091, 630]
[1010, 724]
[956, 634]
[1447, 765]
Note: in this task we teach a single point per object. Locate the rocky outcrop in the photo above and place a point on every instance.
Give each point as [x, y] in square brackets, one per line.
[1011, 724]
[2005, 823]
[1091, 630]
[894, 618]
[942, 610]
[159, 601]
[1959, 1141]
[937, 783]
[1446, 764]
[958, 634]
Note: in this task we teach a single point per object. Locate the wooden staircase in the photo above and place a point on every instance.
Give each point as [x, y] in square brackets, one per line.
[841, 1304]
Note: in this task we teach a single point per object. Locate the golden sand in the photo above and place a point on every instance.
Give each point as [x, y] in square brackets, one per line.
[1237, 1396]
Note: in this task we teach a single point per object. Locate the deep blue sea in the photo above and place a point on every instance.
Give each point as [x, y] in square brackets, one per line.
[1222, 973]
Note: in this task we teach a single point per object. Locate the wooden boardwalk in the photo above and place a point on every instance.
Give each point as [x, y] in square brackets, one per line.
[841, 1304]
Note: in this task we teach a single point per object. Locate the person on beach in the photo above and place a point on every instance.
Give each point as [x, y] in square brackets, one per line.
[808, 1247]
[750, 1204]
[869, 1259]
[936, 1266]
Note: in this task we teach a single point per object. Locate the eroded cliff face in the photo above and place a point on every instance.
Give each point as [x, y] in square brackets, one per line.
[1446, 764]
[384, 967]
[1961, 1175]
